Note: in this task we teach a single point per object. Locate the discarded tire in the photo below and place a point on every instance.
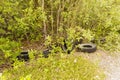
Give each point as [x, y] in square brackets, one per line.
[76, 42]
[23, 56]
[65, 47]
[46, 53]
[88, 47]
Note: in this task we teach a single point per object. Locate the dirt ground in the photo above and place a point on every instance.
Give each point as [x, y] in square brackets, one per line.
[110, 63]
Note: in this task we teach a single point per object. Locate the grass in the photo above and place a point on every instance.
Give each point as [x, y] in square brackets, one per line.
[64, 67]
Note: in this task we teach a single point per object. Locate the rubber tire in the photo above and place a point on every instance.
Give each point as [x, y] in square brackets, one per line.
[46, 53]
[88, 47]
[23, 56]
[77, 42]
[65, 48]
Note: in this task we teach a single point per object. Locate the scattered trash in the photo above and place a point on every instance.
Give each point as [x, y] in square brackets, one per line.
[23, 56]
[87, 47]
[46, 53]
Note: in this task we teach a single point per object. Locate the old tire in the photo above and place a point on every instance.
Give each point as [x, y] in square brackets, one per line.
[23, 56]
[46, 53]
[88, 47]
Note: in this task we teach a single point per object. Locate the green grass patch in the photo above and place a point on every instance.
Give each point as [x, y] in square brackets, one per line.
[55, 68]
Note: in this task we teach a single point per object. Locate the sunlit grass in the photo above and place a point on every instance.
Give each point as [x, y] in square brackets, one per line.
[55, 68]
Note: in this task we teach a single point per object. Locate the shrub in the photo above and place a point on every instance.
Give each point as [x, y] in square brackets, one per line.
[8, 50]
[20, 21]
[35, 19]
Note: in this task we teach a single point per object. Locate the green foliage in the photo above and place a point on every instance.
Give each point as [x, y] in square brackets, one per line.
[35, 19]
[56, 20]
[8, 50]
[32, 54]
[100, 16]
[19, 20]
[48, 40]
[65, 68]
[90, 19]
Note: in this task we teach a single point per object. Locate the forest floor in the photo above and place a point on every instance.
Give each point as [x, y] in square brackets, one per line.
[110, 63]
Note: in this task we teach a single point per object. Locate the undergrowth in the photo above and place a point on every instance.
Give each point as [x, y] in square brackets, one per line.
[64, 67]
[51, 22]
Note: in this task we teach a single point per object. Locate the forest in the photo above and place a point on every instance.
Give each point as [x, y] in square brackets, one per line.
[39, 39]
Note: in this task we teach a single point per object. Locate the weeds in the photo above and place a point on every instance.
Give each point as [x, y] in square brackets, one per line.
[64, 67]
